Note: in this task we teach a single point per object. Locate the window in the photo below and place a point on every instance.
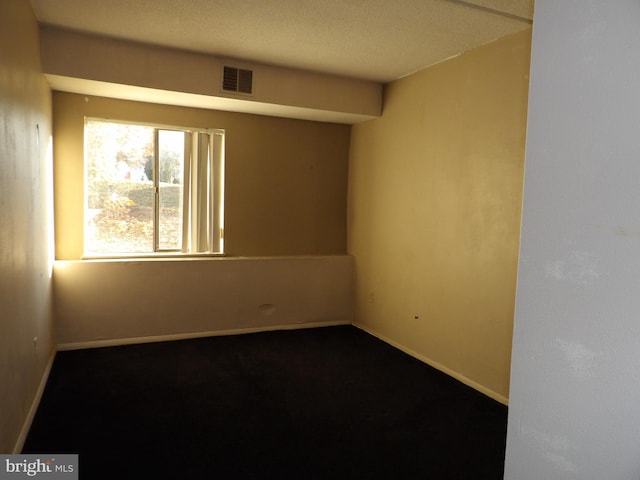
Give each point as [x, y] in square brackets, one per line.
[152, 189]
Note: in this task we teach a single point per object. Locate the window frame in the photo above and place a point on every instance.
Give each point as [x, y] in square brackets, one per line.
[215, 182]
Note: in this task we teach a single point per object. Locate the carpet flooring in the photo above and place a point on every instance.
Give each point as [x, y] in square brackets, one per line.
[324, 403]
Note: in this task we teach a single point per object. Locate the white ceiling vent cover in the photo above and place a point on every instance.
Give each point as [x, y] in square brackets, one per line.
[237, 80]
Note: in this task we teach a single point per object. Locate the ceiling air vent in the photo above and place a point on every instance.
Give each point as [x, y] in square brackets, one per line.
[237, 80]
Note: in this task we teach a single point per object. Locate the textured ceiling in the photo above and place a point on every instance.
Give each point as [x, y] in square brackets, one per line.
[379, 40]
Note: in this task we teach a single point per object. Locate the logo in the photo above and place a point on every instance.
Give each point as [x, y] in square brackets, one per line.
[52, 467]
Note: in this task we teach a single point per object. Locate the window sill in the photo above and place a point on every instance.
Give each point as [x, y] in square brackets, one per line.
[153, 256]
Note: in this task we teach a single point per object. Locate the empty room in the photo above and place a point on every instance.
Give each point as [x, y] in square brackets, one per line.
[319, 239]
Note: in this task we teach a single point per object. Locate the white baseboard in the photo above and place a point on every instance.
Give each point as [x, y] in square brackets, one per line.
[438, 366]
[26, 426]
[185, 336]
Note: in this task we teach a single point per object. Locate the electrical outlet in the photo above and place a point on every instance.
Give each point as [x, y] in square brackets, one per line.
[35, 346]
[372, 296]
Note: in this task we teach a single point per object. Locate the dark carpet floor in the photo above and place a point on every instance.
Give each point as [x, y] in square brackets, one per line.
[326, 403]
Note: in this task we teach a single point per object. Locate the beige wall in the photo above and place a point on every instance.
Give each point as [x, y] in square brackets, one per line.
[115, 301]
[286, 187]
[25, 241]
[285, 179]
[280, 90]
[434, 212]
